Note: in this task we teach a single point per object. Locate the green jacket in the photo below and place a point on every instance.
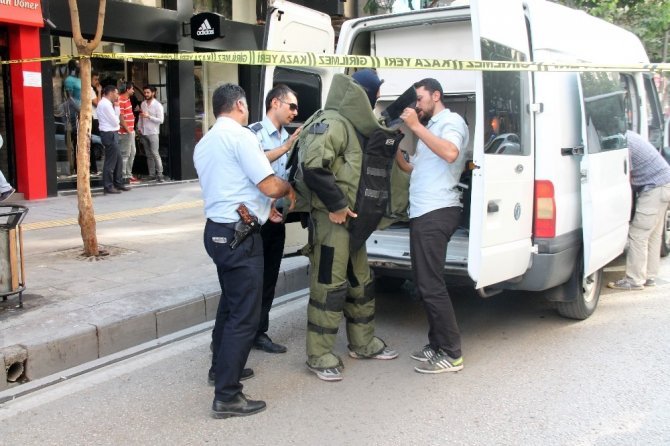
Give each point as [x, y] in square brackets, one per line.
[331, 154]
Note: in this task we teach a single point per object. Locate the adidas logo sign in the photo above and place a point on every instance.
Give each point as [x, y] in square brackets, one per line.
[205, 29]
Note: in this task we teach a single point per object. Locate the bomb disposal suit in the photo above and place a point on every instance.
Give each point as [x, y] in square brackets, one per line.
[335, 171]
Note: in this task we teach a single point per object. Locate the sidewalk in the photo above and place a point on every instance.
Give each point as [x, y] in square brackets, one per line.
[157, 279]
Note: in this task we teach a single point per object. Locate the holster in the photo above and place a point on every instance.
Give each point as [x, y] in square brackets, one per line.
[244, 230]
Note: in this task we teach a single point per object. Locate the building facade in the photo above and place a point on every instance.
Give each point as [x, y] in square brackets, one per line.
[38, 156]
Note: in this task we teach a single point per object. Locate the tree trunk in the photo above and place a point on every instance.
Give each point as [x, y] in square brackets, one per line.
[85, 203]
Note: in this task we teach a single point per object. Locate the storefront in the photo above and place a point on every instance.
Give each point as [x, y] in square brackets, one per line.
[38, 156]
[22, 158]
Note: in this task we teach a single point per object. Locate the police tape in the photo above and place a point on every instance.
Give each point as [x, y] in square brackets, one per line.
[314, 60]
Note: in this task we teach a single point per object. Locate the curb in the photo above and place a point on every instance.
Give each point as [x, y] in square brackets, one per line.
[128, 322]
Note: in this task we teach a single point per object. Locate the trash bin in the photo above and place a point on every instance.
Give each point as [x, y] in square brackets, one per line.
[12, 276]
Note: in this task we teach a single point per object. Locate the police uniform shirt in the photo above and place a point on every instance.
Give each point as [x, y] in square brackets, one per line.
[271, 138]
[230, 163]
[433, 180]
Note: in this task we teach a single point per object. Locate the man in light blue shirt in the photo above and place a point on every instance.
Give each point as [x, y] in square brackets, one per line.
[281, 105]
[435, 213]
[233, 171]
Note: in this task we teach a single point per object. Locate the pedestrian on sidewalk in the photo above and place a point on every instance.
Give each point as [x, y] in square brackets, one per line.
[435, 213]
[6, 190]
[650, 179]
[127, 131]
[108, 118]
[281, 104]
[148, 126]
[233, 171]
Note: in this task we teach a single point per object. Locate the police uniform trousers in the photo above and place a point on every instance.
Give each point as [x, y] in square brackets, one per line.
[273, 235]
[240, 274]
[338, 281]
[429, 235]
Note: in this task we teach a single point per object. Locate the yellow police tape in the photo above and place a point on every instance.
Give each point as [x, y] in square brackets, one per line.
[314, 60]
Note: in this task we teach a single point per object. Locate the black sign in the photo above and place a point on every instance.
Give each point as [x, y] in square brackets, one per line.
[206, 26]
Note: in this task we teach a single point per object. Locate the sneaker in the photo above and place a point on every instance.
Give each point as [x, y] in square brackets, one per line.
[386, 353]
[331, 374]
[441, 363]
[133, 180]
[160, 179]
[624, 284]
[5, 195]
[425, 354]
[650, 282]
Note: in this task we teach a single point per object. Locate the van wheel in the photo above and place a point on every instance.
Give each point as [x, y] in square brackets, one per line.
[665, 241]
[588, 293]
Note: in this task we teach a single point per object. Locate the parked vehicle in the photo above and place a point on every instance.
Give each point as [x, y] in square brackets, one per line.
[546, 216]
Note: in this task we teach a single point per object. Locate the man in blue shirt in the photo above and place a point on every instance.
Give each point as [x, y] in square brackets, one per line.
[233, 171]
[435, 213]
[650, 179]
[281, 105]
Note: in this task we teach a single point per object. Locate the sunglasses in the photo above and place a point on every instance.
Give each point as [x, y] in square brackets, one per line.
[291, 105]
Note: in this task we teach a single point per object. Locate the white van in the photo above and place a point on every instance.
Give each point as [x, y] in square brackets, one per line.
[548, 207]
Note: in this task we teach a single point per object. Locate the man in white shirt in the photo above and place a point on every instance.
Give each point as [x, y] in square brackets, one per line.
[108, 119]
[435, 213]
[148, 126]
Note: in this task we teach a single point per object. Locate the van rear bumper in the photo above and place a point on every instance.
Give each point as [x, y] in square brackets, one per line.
[551, 266]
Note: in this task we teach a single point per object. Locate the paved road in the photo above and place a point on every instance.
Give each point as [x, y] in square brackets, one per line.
[530, 377]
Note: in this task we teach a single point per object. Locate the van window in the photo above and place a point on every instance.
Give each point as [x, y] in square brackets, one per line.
[631, 102]
[505, 104]
[308, 88]
[654, 115]
[604, 106]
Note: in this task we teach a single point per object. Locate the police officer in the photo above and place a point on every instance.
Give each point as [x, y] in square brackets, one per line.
[331, 161]
[281, 105]
[233, 171]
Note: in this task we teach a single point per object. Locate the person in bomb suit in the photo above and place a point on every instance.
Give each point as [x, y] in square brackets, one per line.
[331, 159]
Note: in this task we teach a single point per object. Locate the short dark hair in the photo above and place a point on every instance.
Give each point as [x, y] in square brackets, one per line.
[149, 87]
[125, 86]
[95, 73]
[225, 96]
[279, 91]
[430, 84]
[108, 89]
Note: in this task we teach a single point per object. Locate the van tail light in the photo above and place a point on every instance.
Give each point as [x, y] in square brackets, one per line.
[545, 210]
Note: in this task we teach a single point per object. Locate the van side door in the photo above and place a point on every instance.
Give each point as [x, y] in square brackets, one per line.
[604, 169]
[292, 28]
[503, 178]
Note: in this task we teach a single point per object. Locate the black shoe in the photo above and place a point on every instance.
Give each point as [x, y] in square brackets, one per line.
[263, 342]
[112, 190]
[5, 195]
[246, 374]
[123, 188]
[240, 406]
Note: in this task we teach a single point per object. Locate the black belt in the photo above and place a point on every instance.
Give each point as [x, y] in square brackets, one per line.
[225, 225]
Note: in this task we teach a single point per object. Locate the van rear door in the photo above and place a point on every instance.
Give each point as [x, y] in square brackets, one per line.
[604, 169]
[292, 28]
[502, 181]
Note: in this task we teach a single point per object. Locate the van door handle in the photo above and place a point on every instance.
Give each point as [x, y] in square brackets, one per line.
[577, 150]
[492, 207]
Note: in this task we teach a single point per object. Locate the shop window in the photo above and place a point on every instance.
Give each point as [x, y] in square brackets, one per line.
[151, 3]
[223, 7]
[505, 104]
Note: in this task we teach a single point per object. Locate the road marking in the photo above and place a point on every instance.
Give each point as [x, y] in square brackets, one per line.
[114, 215]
